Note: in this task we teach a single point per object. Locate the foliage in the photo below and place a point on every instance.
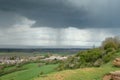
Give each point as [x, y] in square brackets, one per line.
[93, 57]
[111, 42]
[109, 56]
[85, 58]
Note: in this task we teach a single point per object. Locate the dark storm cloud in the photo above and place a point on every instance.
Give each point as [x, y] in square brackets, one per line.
[61, 13]
[7, 19]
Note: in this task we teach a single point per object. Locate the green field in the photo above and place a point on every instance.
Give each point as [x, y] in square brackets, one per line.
[32, 71]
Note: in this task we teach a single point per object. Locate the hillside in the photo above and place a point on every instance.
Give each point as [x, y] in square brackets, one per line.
[90, 64]
[81, 74]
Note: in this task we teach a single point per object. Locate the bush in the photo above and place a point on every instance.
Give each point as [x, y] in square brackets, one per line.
[85, 58]
[111, 42]
[98, 63]
[41, 73]
[93, 57]
[109, 56]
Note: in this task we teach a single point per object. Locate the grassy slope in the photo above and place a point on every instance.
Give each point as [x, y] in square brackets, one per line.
[32, 71]
[93, 73]
[81, 74]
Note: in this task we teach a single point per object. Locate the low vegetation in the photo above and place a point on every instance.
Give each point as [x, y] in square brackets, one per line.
[94, 57]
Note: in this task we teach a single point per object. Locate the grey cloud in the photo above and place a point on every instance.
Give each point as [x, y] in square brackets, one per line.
[62, 13]
[7, 19]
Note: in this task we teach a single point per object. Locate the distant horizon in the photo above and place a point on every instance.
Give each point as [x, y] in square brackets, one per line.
[30, 46]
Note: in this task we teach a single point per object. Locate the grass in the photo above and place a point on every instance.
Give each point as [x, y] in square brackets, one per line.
[93, 73]
[31, 72]
[9, 68]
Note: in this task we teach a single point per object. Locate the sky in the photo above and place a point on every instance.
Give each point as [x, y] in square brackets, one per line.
[58, 23]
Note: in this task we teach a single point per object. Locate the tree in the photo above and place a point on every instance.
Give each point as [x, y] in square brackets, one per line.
[111, 42]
